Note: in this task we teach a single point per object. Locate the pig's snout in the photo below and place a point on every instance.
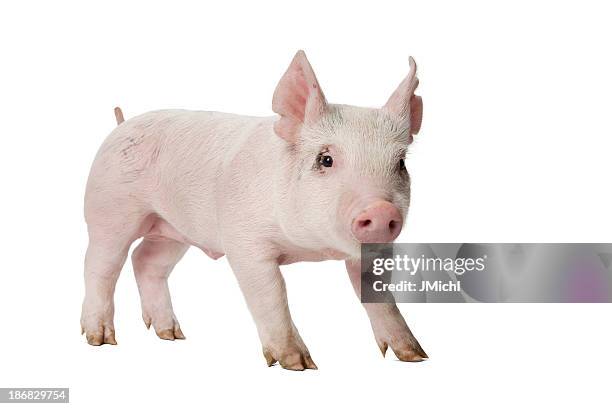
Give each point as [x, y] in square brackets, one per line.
[381, 222]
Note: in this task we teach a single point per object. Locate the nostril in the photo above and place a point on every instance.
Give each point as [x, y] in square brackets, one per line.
[364, 223]
[392, 225]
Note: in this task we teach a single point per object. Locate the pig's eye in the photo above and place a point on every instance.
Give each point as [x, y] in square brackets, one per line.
[402, 165]
[326, 160]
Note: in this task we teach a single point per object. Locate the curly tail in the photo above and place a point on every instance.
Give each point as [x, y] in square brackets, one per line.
[119, 115]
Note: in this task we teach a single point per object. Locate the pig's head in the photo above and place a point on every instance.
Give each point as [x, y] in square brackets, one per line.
[344, 179]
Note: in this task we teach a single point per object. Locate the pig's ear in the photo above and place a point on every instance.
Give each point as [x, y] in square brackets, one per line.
[404, 104]
[298, 98]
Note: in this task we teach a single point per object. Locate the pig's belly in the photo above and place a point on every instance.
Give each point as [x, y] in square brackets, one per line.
[160, 229]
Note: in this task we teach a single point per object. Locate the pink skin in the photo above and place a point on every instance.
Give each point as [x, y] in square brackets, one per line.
[381, 222]
[255, 190]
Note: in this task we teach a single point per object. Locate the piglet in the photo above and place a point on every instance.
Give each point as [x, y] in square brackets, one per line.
[310, 184]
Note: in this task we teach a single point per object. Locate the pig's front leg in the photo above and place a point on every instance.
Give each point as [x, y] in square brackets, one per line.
[388, 324]
[263, 287]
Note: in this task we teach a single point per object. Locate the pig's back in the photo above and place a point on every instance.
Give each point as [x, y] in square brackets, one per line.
[171, 161]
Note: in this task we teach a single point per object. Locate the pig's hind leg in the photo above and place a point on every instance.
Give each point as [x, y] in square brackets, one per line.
[153, 261]
[109, 241]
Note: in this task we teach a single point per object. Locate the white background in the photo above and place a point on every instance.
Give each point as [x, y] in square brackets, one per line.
[515, 147]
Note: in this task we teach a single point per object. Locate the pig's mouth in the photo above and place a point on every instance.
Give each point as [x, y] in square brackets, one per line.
[354, 248]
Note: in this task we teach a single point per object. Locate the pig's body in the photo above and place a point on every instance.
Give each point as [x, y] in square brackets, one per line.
[197, 177]
[308, 185]
[174, 165]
